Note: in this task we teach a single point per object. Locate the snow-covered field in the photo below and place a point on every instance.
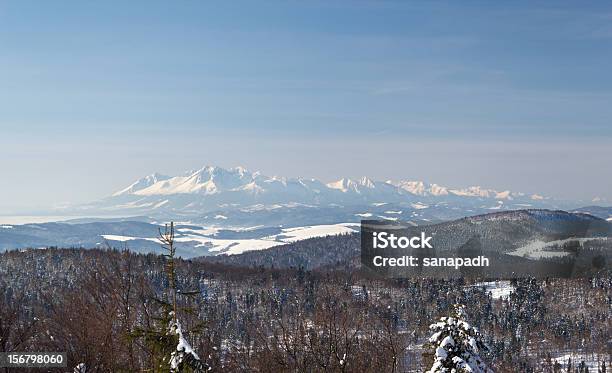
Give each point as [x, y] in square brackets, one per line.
[538, 249]
[302, 233]
[115, 237]
[419, 206]
[206, 239]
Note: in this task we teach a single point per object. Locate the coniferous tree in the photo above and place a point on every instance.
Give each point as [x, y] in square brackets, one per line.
[170, 350]
[457, 345]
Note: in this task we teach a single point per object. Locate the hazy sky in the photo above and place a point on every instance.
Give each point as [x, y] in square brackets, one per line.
[512, 95]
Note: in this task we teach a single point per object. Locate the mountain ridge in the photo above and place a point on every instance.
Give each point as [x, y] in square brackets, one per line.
[246, 198]
[198, 180]
[501, 234]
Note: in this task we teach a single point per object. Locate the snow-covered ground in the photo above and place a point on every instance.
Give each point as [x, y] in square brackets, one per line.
[537, 249]
[419, 206]
[497, 289]
[302, 233]
[206, 239]
[115, 237]
[592, 361]
[392, 218]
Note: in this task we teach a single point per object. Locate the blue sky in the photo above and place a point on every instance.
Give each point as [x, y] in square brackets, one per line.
[506, 95]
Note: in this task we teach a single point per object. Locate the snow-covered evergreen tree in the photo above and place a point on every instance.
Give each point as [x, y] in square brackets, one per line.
[183, 356]
[170, 350]
[457, 345]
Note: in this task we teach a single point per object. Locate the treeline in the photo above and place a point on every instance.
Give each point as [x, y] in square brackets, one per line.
[92, 303]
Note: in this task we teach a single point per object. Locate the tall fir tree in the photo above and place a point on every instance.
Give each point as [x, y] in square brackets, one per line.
[170, 351]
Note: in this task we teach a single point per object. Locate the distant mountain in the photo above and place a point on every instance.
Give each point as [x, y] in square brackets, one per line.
[238, 197]
[76, 235]
[312, 253]
[601, 212]
[141, 184]
[141, 236]
[519, 233]
[517, 237]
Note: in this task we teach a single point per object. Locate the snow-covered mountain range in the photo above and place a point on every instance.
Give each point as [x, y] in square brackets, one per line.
[212, 180]
[229, 211]
[238, 197]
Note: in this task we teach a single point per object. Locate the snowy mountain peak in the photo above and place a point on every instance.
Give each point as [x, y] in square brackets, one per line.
[438, 190]
[366, 182]
[344, 185]
[474, 191]
[340, 185]
[142, 183]
[212, 187]
[419, 188]
[206, 180]
[212, 180]
[239, 170]
[415, 187]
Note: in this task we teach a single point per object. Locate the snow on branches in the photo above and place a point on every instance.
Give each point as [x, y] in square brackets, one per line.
[456, 345]
[183, 352]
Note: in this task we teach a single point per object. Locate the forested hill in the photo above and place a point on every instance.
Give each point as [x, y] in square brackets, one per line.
[508, 234]
[309, 254]
[94, 303]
